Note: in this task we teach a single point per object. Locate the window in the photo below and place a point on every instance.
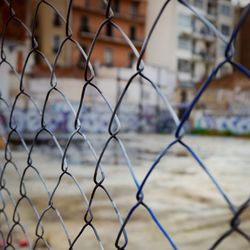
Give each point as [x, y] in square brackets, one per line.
[184, 65]
[186, 84]
[184, 42]
[183, 96]
[131, 59]
[132, 33]
[116, 5]
[222, 49]
[84, 25]
[225, 10]
[198, 3]
[206, 31]
[134, 8]
[81, 60]
[225, 30]
[108, 57]
[184, 20]
[211, 10]
[109, 29]
[56, 20]
[56, 44]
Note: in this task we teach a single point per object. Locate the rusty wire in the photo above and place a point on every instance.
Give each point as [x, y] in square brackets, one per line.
[113, 131]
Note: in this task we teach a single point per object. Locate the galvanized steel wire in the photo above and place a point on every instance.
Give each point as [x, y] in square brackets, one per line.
[113, 132]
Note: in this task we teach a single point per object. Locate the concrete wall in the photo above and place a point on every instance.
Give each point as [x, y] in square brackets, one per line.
[141, 108]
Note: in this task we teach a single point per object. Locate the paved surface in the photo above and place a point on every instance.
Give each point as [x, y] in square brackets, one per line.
[178, 191]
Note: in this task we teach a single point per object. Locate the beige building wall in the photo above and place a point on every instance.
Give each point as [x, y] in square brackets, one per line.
[162, 46]
[46, 31]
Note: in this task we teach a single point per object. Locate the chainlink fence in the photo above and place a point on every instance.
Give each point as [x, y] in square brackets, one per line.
[10, 128]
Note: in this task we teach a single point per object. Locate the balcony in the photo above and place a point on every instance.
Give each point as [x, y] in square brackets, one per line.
[211, 18]
[130, 17]
[109, 39]
[185, 30]
[203, 34]
[203, 56]
[212, 13]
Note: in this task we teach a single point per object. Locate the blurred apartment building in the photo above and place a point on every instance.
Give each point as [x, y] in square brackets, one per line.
[49, 30]
[87, 16]
[190, 48]
[230, 94]
[110, 49]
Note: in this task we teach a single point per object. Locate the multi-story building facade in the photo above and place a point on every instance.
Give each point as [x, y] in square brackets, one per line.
[230, 94]
[86, 17]
[50, 30]
[110, 48]
[190, 48]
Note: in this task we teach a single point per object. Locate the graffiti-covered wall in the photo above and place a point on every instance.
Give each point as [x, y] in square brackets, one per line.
[141, 108]
[235, 124]
[95, 119]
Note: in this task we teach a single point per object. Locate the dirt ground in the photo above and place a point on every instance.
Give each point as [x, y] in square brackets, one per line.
[178, 191]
